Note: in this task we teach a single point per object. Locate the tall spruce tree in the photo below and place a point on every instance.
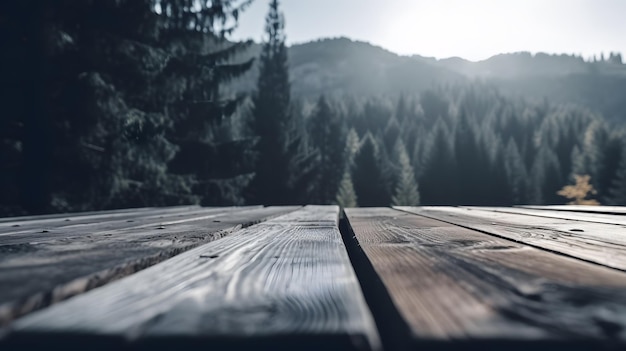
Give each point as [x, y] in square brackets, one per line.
[367, 175]
[284, 161]
[326, 133]
[123, 81]
[346, 196]
[438, 181]
[406, 191]
[201, 61]
[516, 173]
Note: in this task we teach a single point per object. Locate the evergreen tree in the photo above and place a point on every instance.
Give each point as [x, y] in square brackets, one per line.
[119, 83]
[327, 136]
[516, 172]
[346, 196]
[369, 182]
[392, 134]
[617, 192]
[351, 148]
[546, 177]
[438, 182]
[271, 115]
[406, 193]
[472, 163]
[284, 160]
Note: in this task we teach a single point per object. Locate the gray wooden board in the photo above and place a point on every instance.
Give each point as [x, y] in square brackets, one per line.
[618, 210]
[105, 213]
[574, 216]
[456, 288]
[67, 225]
[603, 244]
[36, 275]
[283, 284]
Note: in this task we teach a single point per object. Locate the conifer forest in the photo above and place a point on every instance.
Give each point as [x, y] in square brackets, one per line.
[136, 103]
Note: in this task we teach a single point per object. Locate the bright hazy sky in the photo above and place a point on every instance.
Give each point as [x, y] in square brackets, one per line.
[472, 29]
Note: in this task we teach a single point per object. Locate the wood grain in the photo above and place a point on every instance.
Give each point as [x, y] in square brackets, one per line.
[19, 219]
[47, 270]
[617, 210]
[603, 244]
[283, 284]
[574, 216]
[68, 226]
[455, 288]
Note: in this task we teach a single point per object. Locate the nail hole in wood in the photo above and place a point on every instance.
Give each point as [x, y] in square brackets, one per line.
[209, 256]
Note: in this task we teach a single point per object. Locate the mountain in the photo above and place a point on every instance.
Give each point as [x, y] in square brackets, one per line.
[341, 66]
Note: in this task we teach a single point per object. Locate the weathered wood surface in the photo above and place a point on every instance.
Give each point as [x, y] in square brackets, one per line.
[283, 284]
[456, 288]
[603, 244]
[616, 210]
[39, 269]
[574, 216]
[105, 213]
[42, 229]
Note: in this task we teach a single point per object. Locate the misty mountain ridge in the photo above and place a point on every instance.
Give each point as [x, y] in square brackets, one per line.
[341, 66]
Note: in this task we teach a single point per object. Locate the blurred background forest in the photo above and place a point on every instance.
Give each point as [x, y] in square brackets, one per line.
[129, 103]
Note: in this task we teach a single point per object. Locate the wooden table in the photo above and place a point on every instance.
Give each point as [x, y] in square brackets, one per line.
[316, 278]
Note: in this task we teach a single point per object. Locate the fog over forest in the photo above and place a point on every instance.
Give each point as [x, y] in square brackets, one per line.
[134, 103]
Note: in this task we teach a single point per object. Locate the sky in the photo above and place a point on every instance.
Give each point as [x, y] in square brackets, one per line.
[471, 29]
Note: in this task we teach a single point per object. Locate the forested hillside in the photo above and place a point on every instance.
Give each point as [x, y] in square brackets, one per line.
[147, 103]
[345, 67]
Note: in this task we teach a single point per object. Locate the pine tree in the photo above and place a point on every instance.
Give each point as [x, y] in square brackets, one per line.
[128, 85]
[617, 192]
[546, 177]
[327, 136]
[516, 172]
[346, 196]
[406, 193]
[351, 148]
[284, 161]
[369, 181]
[438, 182]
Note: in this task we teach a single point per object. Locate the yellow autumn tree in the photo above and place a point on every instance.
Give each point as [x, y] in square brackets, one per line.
[579, 191]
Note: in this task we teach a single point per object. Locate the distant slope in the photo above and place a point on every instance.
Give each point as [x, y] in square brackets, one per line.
[342, 66]
[599, 86]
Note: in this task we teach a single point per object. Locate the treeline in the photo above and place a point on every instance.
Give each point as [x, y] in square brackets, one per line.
[112, 104]
[471, 145]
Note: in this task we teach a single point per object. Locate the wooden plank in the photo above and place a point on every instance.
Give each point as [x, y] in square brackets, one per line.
[574, 216]
[456, 288]
[617, 210]
[603, 244]
[67, 225]
[37, 275]
[283, 284]
[106, 213]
